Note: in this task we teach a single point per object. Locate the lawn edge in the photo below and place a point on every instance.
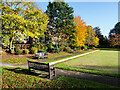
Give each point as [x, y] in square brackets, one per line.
[90, 71]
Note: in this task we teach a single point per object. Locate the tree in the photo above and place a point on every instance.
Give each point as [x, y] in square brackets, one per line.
[11, 21]
[114, 35]
[37, 21]
[97, 31]
[91, 39]
[96, 41]
[81, 32]
[22, 20]
[116, 29]
[60, 22]
[102, 40]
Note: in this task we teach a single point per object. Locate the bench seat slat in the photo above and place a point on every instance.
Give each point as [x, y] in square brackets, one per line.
[41, 69]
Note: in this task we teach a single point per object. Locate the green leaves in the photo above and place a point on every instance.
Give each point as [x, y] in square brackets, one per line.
[60, 17]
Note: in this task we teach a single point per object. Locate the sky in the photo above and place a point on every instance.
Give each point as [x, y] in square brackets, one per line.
[102, 14]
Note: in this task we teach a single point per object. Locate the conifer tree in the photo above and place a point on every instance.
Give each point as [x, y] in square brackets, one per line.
[60, 23]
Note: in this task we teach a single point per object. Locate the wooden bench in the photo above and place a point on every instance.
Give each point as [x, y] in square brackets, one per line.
[42, 67]
[41, 55]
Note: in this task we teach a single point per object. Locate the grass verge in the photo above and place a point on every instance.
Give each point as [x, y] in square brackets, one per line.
[24, 58]
[20, 78]
[15, 60]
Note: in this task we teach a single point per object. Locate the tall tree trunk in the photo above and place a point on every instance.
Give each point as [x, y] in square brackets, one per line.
[31, 40]
[57, 48]
[11, 41]
[88, 44]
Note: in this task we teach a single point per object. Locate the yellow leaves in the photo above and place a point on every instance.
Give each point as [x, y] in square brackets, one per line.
[91, 38]
[81, 31]
[96, 41]
[36, 37]
[32, 22]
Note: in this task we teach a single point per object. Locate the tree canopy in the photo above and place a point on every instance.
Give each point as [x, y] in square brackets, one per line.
[91, 39]
[22, 20]
[81, 31]
[102, 40]
[114, 35]
[60, 21]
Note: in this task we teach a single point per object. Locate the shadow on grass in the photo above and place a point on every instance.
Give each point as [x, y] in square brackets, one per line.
[110, 49]
[48, 59]
[31, 57]
[109, 69]
[26, 72]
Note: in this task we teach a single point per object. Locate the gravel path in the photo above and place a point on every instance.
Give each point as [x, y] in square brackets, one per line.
[14, 65]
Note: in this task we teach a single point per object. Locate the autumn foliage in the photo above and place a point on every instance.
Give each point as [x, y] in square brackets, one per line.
[115, 40]
[114, 35]
[81, 31]
[91, 39]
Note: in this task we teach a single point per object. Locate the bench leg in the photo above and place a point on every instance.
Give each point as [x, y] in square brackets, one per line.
[54, 72]
[29, 70]
[39, 57]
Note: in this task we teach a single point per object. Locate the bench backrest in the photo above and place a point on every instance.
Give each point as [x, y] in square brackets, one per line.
[41, 53]
[39, 66]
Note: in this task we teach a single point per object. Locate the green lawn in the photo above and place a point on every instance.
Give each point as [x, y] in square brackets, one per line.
[55, 55]
[20, 78]
[103, 61]
[16, 60]
[69, 56]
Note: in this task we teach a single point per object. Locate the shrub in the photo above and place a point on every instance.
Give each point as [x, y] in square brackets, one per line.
[57, 51]
[26, 51]
[17, 52]
[68, 49]
[12, 51]
[50, 46]
[93, 48]
[34, 50]
[85, 47]
[78, 48]
[79, 51]
[41, 46]
[62, 48]
[21, 51]
[90, 47]
[75, 49]
[17, 47]
[42, 50]
[46, 48]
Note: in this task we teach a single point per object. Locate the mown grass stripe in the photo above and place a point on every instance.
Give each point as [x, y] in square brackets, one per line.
[68, 57]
